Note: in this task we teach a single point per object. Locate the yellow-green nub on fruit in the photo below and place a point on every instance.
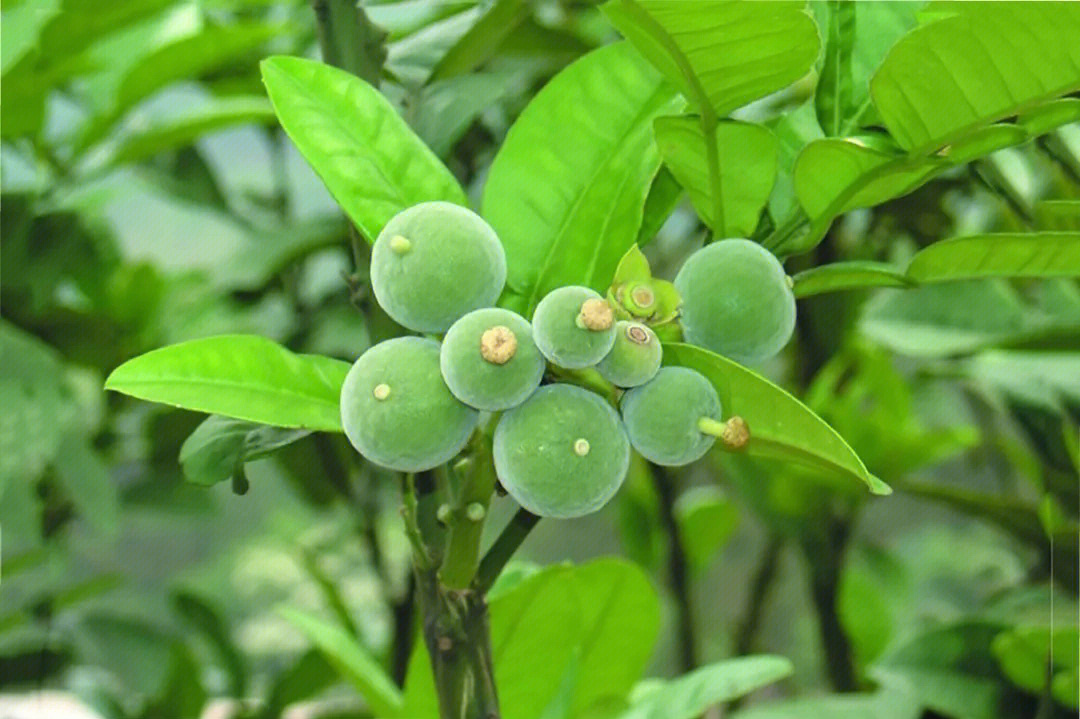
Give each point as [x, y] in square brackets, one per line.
[639, 300]
[736, 301]
[635, 356]
[561, 327]
[662, 416]
[563, 453]
[397, 411]
[433, 263]
[489, 359]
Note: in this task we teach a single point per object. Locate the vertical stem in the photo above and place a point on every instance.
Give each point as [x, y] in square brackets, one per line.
[678, 572]
[759, 589]
[826, 557]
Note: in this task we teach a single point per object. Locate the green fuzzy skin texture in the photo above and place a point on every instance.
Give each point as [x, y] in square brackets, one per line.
[630, 364]
[661, 416]
[482, 384]
[455, 264]
[560, 339]
[535, 458]
[736, 301]
[420, 425]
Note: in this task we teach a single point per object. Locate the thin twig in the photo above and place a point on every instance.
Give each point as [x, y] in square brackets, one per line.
[504, 547]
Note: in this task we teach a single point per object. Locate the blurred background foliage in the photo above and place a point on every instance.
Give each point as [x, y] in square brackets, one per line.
[149, 197]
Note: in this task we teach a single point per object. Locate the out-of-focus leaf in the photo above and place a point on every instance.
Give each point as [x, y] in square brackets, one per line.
[1030, 254]
[692, 694]
[22, 26]
[780, 425]
[747, 161]
[1026, 653]
[886, 703]
[721, 54]
[241, 376]
[138, 654]
[1058, 214]
[448, 107]
[706, 521]
[307, 677]
[269, 252]
[88, 482]
[568, 207]
[482, 41]
[207, 620]
[851, 275]
[949, 77]
[220, 446]
[352, 660]
[370, 160]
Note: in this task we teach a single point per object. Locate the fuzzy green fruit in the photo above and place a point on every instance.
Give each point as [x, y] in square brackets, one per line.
[635, 356]
[574, 327]
[435, 262]
[489, 359]
[736, 301]
[663, 417]
[563, 453]
[397, 411]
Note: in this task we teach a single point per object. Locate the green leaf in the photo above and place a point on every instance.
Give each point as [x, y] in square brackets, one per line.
[183, 129]
[88, 482]
[1023, 653]
[851, 275]
[780, 425]
[352, 660]
[568, 206]
[887, 703]
[448, 107]
[1032, 254]
[203, 617]
[241, 376]
[706, 520]
[370, 160]
[721, 54]
[833, 99]
[482, 40]
[947, 78]
[220, 445]
[1058, 214]
[22, 27]
[747, 161]
[663, 198]
[692, 694]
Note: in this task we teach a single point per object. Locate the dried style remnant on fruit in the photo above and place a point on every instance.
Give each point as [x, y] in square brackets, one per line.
[397, 411]
[489, 359]
[635, 356]
[435, 262]
[574, 327]
[563, 453]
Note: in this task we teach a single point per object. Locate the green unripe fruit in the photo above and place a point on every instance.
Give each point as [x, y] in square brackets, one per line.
[634, 358]
[397, 411]
[574, 327]
[736, 301]
[663, 417]
[435, 262]
[563, 453]
[489, 359]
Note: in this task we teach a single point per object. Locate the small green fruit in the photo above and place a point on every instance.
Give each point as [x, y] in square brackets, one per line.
[635, 356]
[574, 327]
[489, 359]
[736, 301]
[663, 417]
[397, 411]
[433, 263]
[563, 453]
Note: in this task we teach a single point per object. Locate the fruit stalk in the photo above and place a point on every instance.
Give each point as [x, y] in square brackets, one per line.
[467, 518]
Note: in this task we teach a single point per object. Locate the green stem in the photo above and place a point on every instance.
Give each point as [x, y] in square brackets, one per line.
[504, 547]
[678, 571]
[467, 518]
[409, 512]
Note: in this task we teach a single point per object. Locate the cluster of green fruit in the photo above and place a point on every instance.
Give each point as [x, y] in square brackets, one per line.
[412, 403]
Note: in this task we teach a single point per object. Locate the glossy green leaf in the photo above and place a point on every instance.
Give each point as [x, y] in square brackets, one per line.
[851, 275]
[351, 659]
[183, 129]
[663, 198]
[780, 425]
[1033, 254]
[568, 204]
[721, 54]
[370, 160]
[692, 694]
[706, 520]
[482, 40]
[220, 445]
[834, 97]
[242, 376]
[747, 160]
[947, 78]
[1050, 115]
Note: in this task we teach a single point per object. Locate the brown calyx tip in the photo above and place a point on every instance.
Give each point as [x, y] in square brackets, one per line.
[596, 314]
[736, 433]
[498, 344]
[637, 334]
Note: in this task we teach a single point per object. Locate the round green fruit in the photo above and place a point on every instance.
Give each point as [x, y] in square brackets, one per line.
[574, 327]
[736, 301]
[435, 262]
[489, 359]
[664, 417]
[397, 411]
[563, 453]
[635, 356]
